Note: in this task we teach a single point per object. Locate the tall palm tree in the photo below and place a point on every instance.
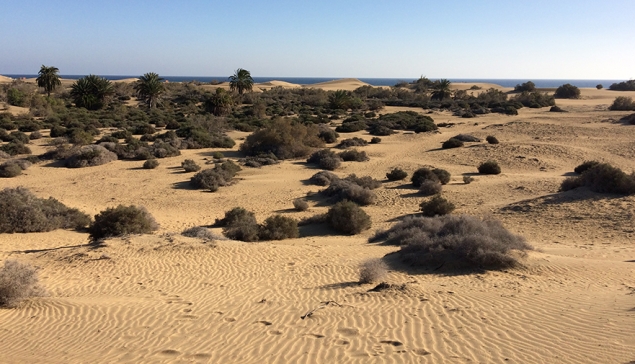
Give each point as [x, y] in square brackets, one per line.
[241, 81]
[149, 88]
[48, 79]
[441, 89]
[339, 99]
[91, 92]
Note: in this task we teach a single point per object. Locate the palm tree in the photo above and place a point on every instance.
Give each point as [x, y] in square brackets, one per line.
[339, 99]
[441, 89]
[149, 88]
[91, 92]
[241, 81]
[220, 103]
[48, 79]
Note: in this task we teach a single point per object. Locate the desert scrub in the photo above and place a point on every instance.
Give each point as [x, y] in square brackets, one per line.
[443, 175]
[491, 139]
[429, 188]
[284, 138]
[622, 103]
[489, 167]
[122, 220]
[23, 212]
[348, 218]
[602, 178]
[323, 178]
[278, 227]
[436, 206]
[353, 155]
[423, 174]
[460, 241]
[151, 163]
[15, 148]
[396, 174]
[325, 159]
[468, 179]
[213, 178]
[452, 143]
[342, 189]
[202, 233]
[567, 91]
[372, 271]
[352, 142]
[89, 156]
[300, 204]
[190, 166]
[10, 169]
[375, 140]
[18, 282]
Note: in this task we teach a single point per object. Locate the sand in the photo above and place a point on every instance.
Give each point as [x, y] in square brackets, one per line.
[165, 298]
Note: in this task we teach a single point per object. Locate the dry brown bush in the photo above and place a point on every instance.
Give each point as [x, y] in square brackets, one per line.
[18, 282]
[372, 271]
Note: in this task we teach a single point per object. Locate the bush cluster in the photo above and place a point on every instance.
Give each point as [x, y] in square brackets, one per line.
[353, 155]
[260, 160]
[13, 168]
[240, 224]
[424, 174]
[151, 163]
[189, 165]
[456, 241]
[429, 188]
[489, 167]
[622, 103]
[623, 86]
[396, 174]
[283, 138]
[348, 218]
[323, 178]
[89, 156]
[213, 178]
[325, 159]
[23, 212]
[122, 220]
[352, 142]
[601, 178]
[342, 189]
[436, 206]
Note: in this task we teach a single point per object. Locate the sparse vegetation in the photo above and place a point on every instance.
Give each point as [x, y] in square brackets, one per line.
[429, 188]
[436, 206]
[23, 212]
[278, 227]
[213, 178]
[352, 142]
[443, 175]
[240, 224]
[396, 174]
[622, 103]
[567, 91]
[202, 233]
[189, 165]
[456, 242]
[468, 179]
[585, 166]
[372, 271]
[323, 178]
[353, 155]
[300, 204]
[452, 143]
[348, 218]
[489, 167]
[601, 178]
[492, 139]
[122, 220]
[325, 159]
[89, 156]
[18, 282]
[342, 189]
[423, 174]
[151, 163]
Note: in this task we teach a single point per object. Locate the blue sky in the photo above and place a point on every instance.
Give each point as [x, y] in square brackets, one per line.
[562, 39]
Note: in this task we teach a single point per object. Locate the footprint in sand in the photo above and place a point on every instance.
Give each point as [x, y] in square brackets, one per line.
[275, 332]
[421, 352]
[202, 356]
[230, 319]
[170, 352]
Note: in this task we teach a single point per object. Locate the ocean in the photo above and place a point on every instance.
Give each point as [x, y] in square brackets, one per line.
[540, 83]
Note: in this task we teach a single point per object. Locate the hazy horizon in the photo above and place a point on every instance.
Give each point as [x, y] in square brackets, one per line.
[328, 39]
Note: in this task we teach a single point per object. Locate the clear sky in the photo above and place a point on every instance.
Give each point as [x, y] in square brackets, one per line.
[539, 39]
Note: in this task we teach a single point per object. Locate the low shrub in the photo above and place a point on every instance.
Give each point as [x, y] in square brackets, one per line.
[300, 204]
[629, 119]
[489, 167]
[567, 91]
[122, 220]
[467, 138]
[585, 166]
[151, 163]
[492, 139]
[429, 188]
[452, 143]
[353, 155]
[623, 86]
[278, 227]
[202, 233]
[260, 160]
[375, 140]
[328, 135]
[89, 156]
[348, 218]
[352, 142]
[443, 175]
[23, 212]
[18, 282]
[622, 103]
[325, 159]
[213, 178]
[284, 138]
[423, 174]
[372, 271]
[35, 135]
[190, 166]
[10, 170]
[341, 189]
[599, 86]
[396, 174]
[468, 179]
[323, 178]
[366, 181]
[556, 108]
[218, 155]
[455, 241]
[15, 148]
[602, 178]
[436, 206]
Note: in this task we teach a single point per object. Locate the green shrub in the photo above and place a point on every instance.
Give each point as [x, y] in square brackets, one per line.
[489, 167]
[19, 137]
[22, 212]
[35, 135]
[348, 218]
[18, 282]
[353, 155]
[429, 188]
[122, 220]
[492, 139]
[365, 181]
[603, 178]
[599, 86]
[622, 103]
[585, 166]
[284, 138]
[10, 170]
[443, 175]
[325, 159]
[455, 241]
[556, 108]
[396, 174]
[623, 86]
[423, 174]
[436, 206]
[189, 165]
[352, 142]
[89, 156]
[525, 87]
[375, 140]
[300, 204]
[279, 227]
[452, 143]
[15, 148]
[567, 91]
[468, 179]
[342, 189]
[218, 155]
[16, 97]
[213, 178]
[372, 271]
[323, 178]
[151, 163]
[328, 135]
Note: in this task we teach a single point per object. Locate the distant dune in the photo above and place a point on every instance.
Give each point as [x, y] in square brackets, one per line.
[348, 84]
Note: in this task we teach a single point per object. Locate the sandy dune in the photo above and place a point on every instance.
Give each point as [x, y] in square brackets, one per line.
[165, 298]
[348, 84]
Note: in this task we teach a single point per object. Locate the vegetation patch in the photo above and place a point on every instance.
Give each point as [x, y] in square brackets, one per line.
[325, 159]
[348, 218]
[122, 220]
[213, 178]
[436, 206]
[18, 282]
[601, 178]
[489, 167]
[396, 174]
